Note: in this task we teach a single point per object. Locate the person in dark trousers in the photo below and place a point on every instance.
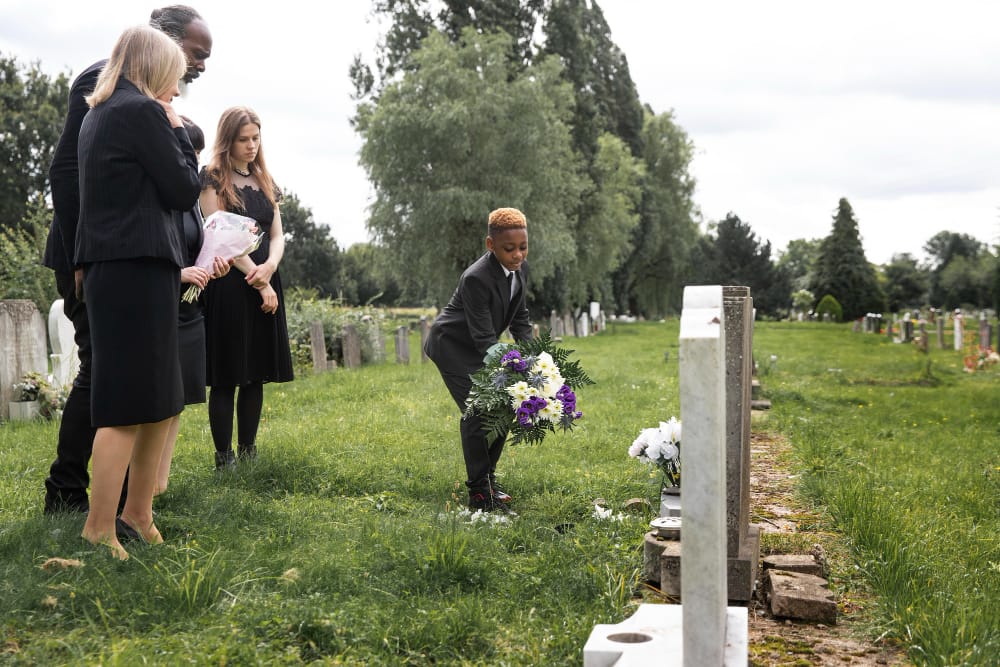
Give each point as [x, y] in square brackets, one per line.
[66, 485]
[191, 315]
[489, 299]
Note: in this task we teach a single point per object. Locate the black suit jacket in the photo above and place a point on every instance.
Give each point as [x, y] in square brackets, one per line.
[476, 315]
[64, 176]
[135, 170]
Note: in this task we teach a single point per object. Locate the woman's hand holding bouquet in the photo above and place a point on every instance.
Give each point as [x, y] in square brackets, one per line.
[228, 236]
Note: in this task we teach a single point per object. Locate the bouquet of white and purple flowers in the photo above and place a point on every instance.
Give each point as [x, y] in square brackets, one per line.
[227, 235]
[662, 448]
[526, 389]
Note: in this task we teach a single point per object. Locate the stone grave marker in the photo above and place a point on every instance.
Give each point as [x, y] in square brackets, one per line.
[583, 325]
[62, 335]
[352, 347]
[317, 344]
[23, 347]
[702, 630]
[957, 338]
[568, 326]
[985, 333]
[940, 331]
[661, 557]
[742, 539]
[425, 328]
[402, 345]
[555, 325]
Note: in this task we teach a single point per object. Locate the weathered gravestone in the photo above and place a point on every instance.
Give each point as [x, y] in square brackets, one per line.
[352, 347]
[985, 331]
[583, 325]
[555, 325]
[402, 339]
[65, 357]
[568, 325]
[940, 331]
[23, 347]
[425, 328]
[957, 338]
[317, 345]
[702, 630]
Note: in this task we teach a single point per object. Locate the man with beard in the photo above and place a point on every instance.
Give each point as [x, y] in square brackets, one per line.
[66, 485]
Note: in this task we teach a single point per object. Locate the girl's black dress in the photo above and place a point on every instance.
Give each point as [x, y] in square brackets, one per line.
[191, 319]
[245, 344]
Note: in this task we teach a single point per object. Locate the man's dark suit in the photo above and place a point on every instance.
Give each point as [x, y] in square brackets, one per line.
[478, 312]
[66, 485]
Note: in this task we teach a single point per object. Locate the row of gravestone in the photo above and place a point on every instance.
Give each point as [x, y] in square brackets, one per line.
[24, 343]
[583, 324]
[901, 330]
[24, 347]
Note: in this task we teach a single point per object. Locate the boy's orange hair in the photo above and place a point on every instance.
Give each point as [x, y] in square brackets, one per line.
[507, 218]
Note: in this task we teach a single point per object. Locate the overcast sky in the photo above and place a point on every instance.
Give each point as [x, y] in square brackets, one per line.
[791, 105]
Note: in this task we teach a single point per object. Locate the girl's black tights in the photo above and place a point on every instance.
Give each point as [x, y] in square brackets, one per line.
[220, 415]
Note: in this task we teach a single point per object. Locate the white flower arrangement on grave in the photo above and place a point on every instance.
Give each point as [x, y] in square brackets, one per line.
[661, 447]
[34, 387]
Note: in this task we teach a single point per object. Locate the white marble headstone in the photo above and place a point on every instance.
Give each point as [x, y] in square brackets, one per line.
[65, 361]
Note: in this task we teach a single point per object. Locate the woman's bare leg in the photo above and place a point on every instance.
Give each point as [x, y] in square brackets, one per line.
[163, 471]
[150, 441]
[113, 448]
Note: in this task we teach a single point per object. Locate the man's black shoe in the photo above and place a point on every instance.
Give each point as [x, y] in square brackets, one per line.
[125, 532]
[483, 501]
[500, 495]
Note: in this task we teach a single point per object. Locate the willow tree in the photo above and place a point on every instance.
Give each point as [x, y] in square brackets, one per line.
[652, 277]
[458, 136]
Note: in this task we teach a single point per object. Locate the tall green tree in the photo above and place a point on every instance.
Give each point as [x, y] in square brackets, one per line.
[411, 21]
[798, 262]
[604, 236]
[650, 281]
[312, 257]
[842, 269]
[968, 281]
[944, 248]
[32, 110]
[905, 282]
[606, 96]
[458, 136]
[368, 277]
[22, 275]
[517, 18]
[734, 255]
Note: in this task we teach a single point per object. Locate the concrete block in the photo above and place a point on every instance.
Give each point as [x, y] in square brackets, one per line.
[804, 563]
[803, 597]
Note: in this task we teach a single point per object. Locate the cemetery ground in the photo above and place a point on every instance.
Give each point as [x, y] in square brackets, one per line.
[344, 542]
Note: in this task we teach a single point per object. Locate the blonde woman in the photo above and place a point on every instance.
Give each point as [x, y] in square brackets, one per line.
[246, 332]
[137, 166]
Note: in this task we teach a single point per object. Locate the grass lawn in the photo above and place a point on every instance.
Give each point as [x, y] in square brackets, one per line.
[344, 544]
